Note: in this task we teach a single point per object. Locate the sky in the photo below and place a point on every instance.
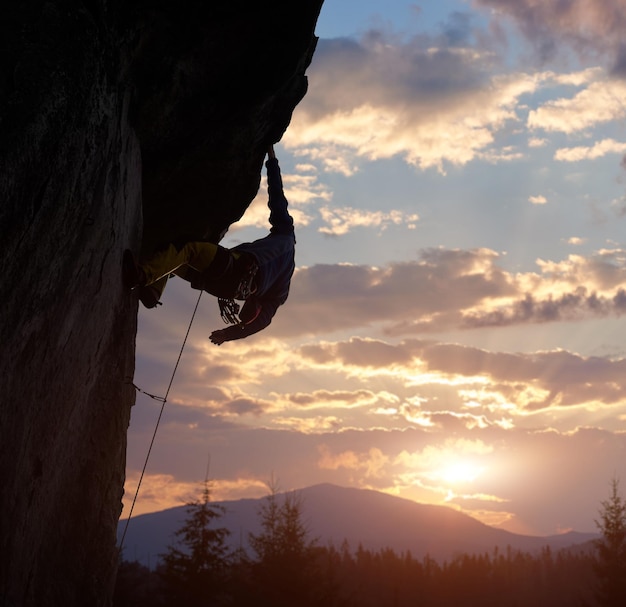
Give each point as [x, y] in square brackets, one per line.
[455, 329]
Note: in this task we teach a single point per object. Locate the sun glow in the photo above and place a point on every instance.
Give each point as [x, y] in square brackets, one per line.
[462, 471]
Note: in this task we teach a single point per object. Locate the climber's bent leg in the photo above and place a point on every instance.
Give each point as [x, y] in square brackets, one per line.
[198, 255]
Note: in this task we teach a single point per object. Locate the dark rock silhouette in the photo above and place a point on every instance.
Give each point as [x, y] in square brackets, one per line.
[112, 114]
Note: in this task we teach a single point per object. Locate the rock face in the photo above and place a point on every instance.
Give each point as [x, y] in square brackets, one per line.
[112, 114]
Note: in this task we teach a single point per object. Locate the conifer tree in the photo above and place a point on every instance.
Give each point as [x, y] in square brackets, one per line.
[610, 565]
[285, 570]
[195, 570]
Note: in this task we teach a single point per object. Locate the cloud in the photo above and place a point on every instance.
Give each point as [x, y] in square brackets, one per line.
[537, 199]
[567, 307]
[601, 102]
[419, 99]
[301, 189]
[333, 158]
[562, 378]
[587, 26]
[358, 352]
[245, 406]
[489, 384]
[597, 150]
[604, 270]
[484, 470]
[371, 463]
[341, 220]
[450, 289]
[442, 281]
[334, 398]
[162, 491]
[434, 104]
[158, 492]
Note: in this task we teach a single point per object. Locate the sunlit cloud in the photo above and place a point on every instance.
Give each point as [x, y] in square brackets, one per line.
[378, 99]
[337, 398]
[162, 491]
[604, 270]
[447, 281]
[158, 492]
[245, 406]
[458, 289]
[370, 463]
[462, 290]
[491, 386]
[232, 489]
[309, 425]
[489, 509]
[591, 152]
[265, 359]
[599, 103]
[341, 220]
[301, 189]
[430, 105]
[505, 154]
[456, 462]
[537, 199]
[333, 158]
[330, 461]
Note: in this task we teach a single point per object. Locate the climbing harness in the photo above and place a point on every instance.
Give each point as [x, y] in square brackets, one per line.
[229, 311]
[229, 308]
[246, 286]
[163, 400]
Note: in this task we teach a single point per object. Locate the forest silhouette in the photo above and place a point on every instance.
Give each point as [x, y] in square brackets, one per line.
[288, 567]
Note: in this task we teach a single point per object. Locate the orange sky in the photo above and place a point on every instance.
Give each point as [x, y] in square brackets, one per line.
[455, 328]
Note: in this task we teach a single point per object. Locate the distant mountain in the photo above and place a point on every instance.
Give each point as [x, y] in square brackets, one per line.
[360, 516]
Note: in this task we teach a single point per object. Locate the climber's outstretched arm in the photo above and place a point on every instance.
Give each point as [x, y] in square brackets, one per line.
[263, 320]
[280, 220]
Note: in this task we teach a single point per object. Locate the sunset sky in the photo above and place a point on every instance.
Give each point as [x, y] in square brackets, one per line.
[456, 328]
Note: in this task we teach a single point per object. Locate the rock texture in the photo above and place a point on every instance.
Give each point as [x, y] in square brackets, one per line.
[111, 113]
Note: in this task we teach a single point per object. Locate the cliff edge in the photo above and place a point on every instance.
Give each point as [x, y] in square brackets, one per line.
[122, 125]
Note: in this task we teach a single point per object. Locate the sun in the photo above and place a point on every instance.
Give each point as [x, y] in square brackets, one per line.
[460, 471]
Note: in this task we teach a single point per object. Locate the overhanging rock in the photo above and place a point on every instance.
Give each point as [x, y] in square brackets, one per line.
[111, 113]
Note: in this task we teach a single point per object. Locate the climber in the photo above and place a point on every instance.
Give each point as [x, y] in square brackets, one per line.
[258, 273]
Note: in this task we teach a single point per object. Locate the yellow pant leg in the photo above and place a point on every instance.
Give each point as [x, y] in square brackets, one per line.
[198, 255]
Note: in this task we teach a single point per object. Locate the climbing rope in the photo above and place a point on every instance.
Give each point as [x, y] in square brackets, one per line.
[163, 400]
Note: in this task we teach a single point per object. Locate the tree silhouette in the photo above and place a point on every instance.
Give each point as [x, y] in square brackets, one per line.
[195, 573]
[610, 566]
[285, 570]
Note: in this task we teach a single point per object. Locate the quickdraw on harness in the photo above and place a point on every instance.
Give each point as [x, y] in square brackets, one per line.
[229, 308]
[229, 311]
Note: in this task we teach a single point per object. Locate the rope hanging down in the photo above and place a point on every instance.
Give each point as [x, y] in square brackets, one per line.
[163, 400]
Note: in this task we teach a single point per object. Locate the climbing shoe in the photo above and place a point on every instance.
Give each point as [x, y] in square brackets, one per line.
[132, 274]
[149, 296]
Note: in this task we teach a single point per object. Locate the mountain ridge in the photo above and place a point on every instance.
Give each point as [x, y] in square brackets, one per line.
[360, 517]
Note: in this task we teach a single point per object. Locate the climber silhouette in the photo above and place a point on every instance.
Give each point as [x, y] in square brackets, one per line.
[258, 273]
